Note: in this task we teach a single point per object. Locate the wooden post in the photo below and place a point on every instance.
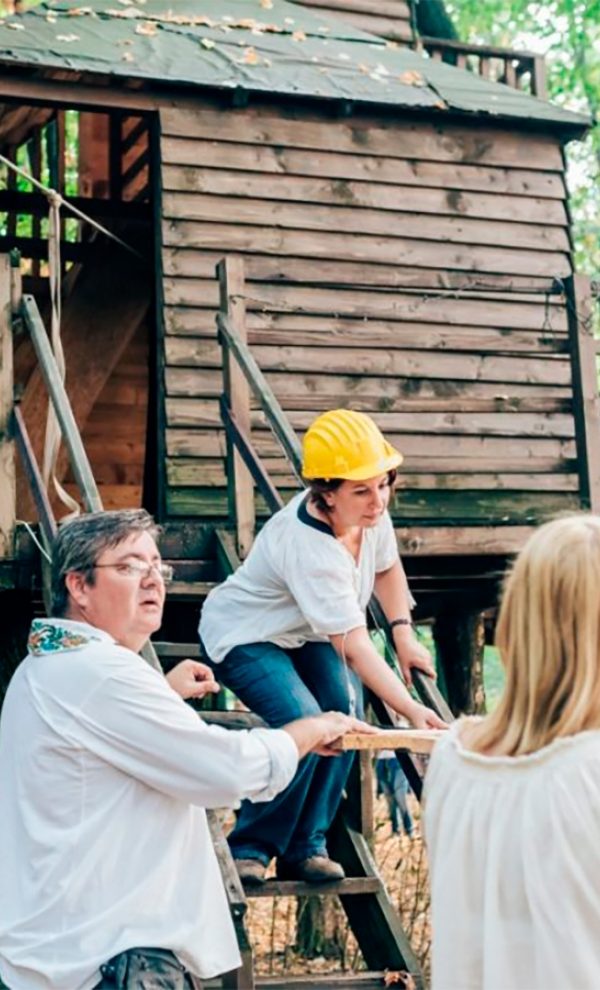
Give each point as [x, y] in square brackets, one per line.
[586, 405]
[460, 641]
[7, 447]
[240, 486]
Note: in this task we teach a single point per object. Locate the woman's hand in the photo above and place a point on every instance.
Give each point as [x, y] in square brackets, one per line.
[411, 653]
[316, 733]
[191, 679]
[424, 718]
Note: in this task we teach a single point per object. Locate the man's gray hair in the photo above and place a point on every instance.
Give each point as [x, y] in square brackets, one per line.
[80, 542]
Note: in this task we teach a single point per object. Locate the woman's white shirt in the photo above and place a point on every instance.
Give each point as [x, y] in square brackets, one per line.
[514, 853]
[298, 584]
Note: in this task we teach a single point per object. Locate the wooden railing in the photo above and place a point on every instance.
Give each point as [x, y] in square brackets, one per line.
[521, 70]
[245, 468]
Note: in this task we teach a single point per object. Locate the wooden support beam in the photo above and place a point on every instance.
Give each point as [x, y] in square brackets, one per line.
[7, 447]
[459, 637]
[586, 404]
[240, 485]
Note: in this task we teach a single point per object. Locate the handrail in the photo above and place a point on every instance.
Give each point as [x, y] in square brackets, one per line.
[71, 436]
[516, 64]
[263, 394]
[60, 401]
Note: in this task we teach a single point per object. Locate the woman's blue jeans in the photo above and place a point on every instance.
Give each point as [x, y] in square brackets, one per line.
[281, 686]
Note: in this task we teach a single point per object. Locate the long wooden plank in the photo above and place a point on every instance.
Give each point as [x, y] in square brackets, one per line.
[319, 332]
[363, 247]
[322, 217]
[550, 370]
[442, 505]
[358, 311]
[414, 740]
[192, 263]
[396, 425]
[363, 303]
[211, 474]
[371, 195]
[191, 352]
[369, 136]
[277, 160]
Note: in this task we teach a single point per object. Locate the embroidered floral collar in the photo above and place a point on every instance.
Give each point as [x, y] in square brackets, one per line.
[61, 635]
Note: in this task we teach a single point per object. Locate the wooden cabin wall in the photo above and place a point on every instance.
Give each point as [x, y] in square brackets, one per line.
[355, 234]
[387, 18]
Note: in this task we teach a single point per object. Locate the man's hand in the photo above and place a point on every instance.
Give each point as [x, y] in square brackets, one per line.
[315, 734]
[412, 654]
[191, 679]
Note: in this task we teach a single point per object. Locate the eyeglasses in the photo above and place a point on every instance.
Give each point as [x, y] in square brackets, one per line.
[141, 571]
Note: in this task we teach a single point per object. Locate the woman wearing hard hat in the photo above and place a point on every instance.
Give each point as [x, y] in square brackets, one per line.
[287, 632]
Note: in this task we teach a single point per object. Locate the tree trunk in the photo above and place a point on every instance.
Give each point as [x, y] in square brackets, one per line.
[460, 641]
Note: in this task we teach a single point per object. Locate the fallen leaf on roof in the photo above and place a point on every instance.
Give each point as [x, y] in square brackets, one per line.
[250, 56]
[440, 105]
[128, 57]
[411, 78]
[207, 43]
[289, 20]
[266, 4]
[148, 28]
[51, 18]
[298, 36]
[343, 57]
[323, 28]
[15, 25]
[126, 3]
[79, 11]
[67, 37]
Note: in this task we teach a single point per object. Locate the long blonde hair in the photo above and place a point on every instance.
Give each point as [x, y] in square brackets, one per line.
[548, 635]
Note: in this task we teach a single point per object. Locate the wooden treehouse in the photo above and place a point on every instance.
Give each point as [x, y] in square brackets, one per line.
[392, 213]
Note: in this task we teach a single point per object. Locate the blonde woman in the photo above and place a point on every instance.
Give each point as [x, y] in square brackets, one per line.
[513, 800]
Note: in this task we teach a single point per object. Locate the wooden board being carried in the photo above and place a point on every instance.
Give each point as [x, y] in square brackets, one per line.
[414, 740]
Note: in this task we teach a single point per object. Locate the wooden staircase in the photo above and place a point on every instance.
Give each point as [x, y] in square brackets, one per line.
[203, 556]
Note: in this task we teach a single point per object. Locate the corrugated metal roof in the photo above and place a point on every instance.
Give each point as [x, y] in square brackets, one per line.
[260, 46]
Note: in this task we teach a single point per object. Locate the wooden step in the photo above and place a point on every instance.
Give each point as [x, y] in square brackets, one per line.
[298, 888]
[372, 980]
[190, 590]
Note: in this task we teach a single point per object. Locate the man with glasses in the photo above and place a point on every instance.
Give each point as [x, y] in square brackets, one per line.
[108, 878]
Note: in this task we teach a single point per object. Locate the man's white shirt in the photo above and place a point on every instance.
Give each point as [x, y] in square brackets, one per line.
[104, 845]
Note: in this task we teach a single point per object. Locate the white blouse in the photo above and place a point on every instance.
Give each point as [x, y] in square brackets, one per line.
[298, 584]
[514, 852]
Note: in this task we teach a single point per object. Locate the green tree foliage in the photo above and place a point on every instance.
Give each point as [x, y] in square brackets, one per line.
[567, 33]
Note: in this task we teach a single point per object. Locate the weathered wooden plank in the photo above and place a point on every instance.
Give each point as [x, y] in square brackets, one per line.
[237, 396]
[414, 509]
[414, 740]
[278, 160]
[321, 217]
[202, 412]
[369, 136]
[322, 311]
[363, 247]
[302, 331]
[191, 263]
[371, 195]
[359, 364]
[432, 446]
[200, 351]
[461, 540]
[363, 303]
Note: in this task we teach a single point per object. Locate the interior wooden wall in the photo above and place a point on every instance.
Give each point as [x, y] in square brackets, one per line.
[114, 435]
[355, 234]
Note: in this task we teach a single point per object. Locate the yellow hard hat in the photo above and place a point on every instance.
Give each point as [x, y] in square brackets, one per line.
[348, 445]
